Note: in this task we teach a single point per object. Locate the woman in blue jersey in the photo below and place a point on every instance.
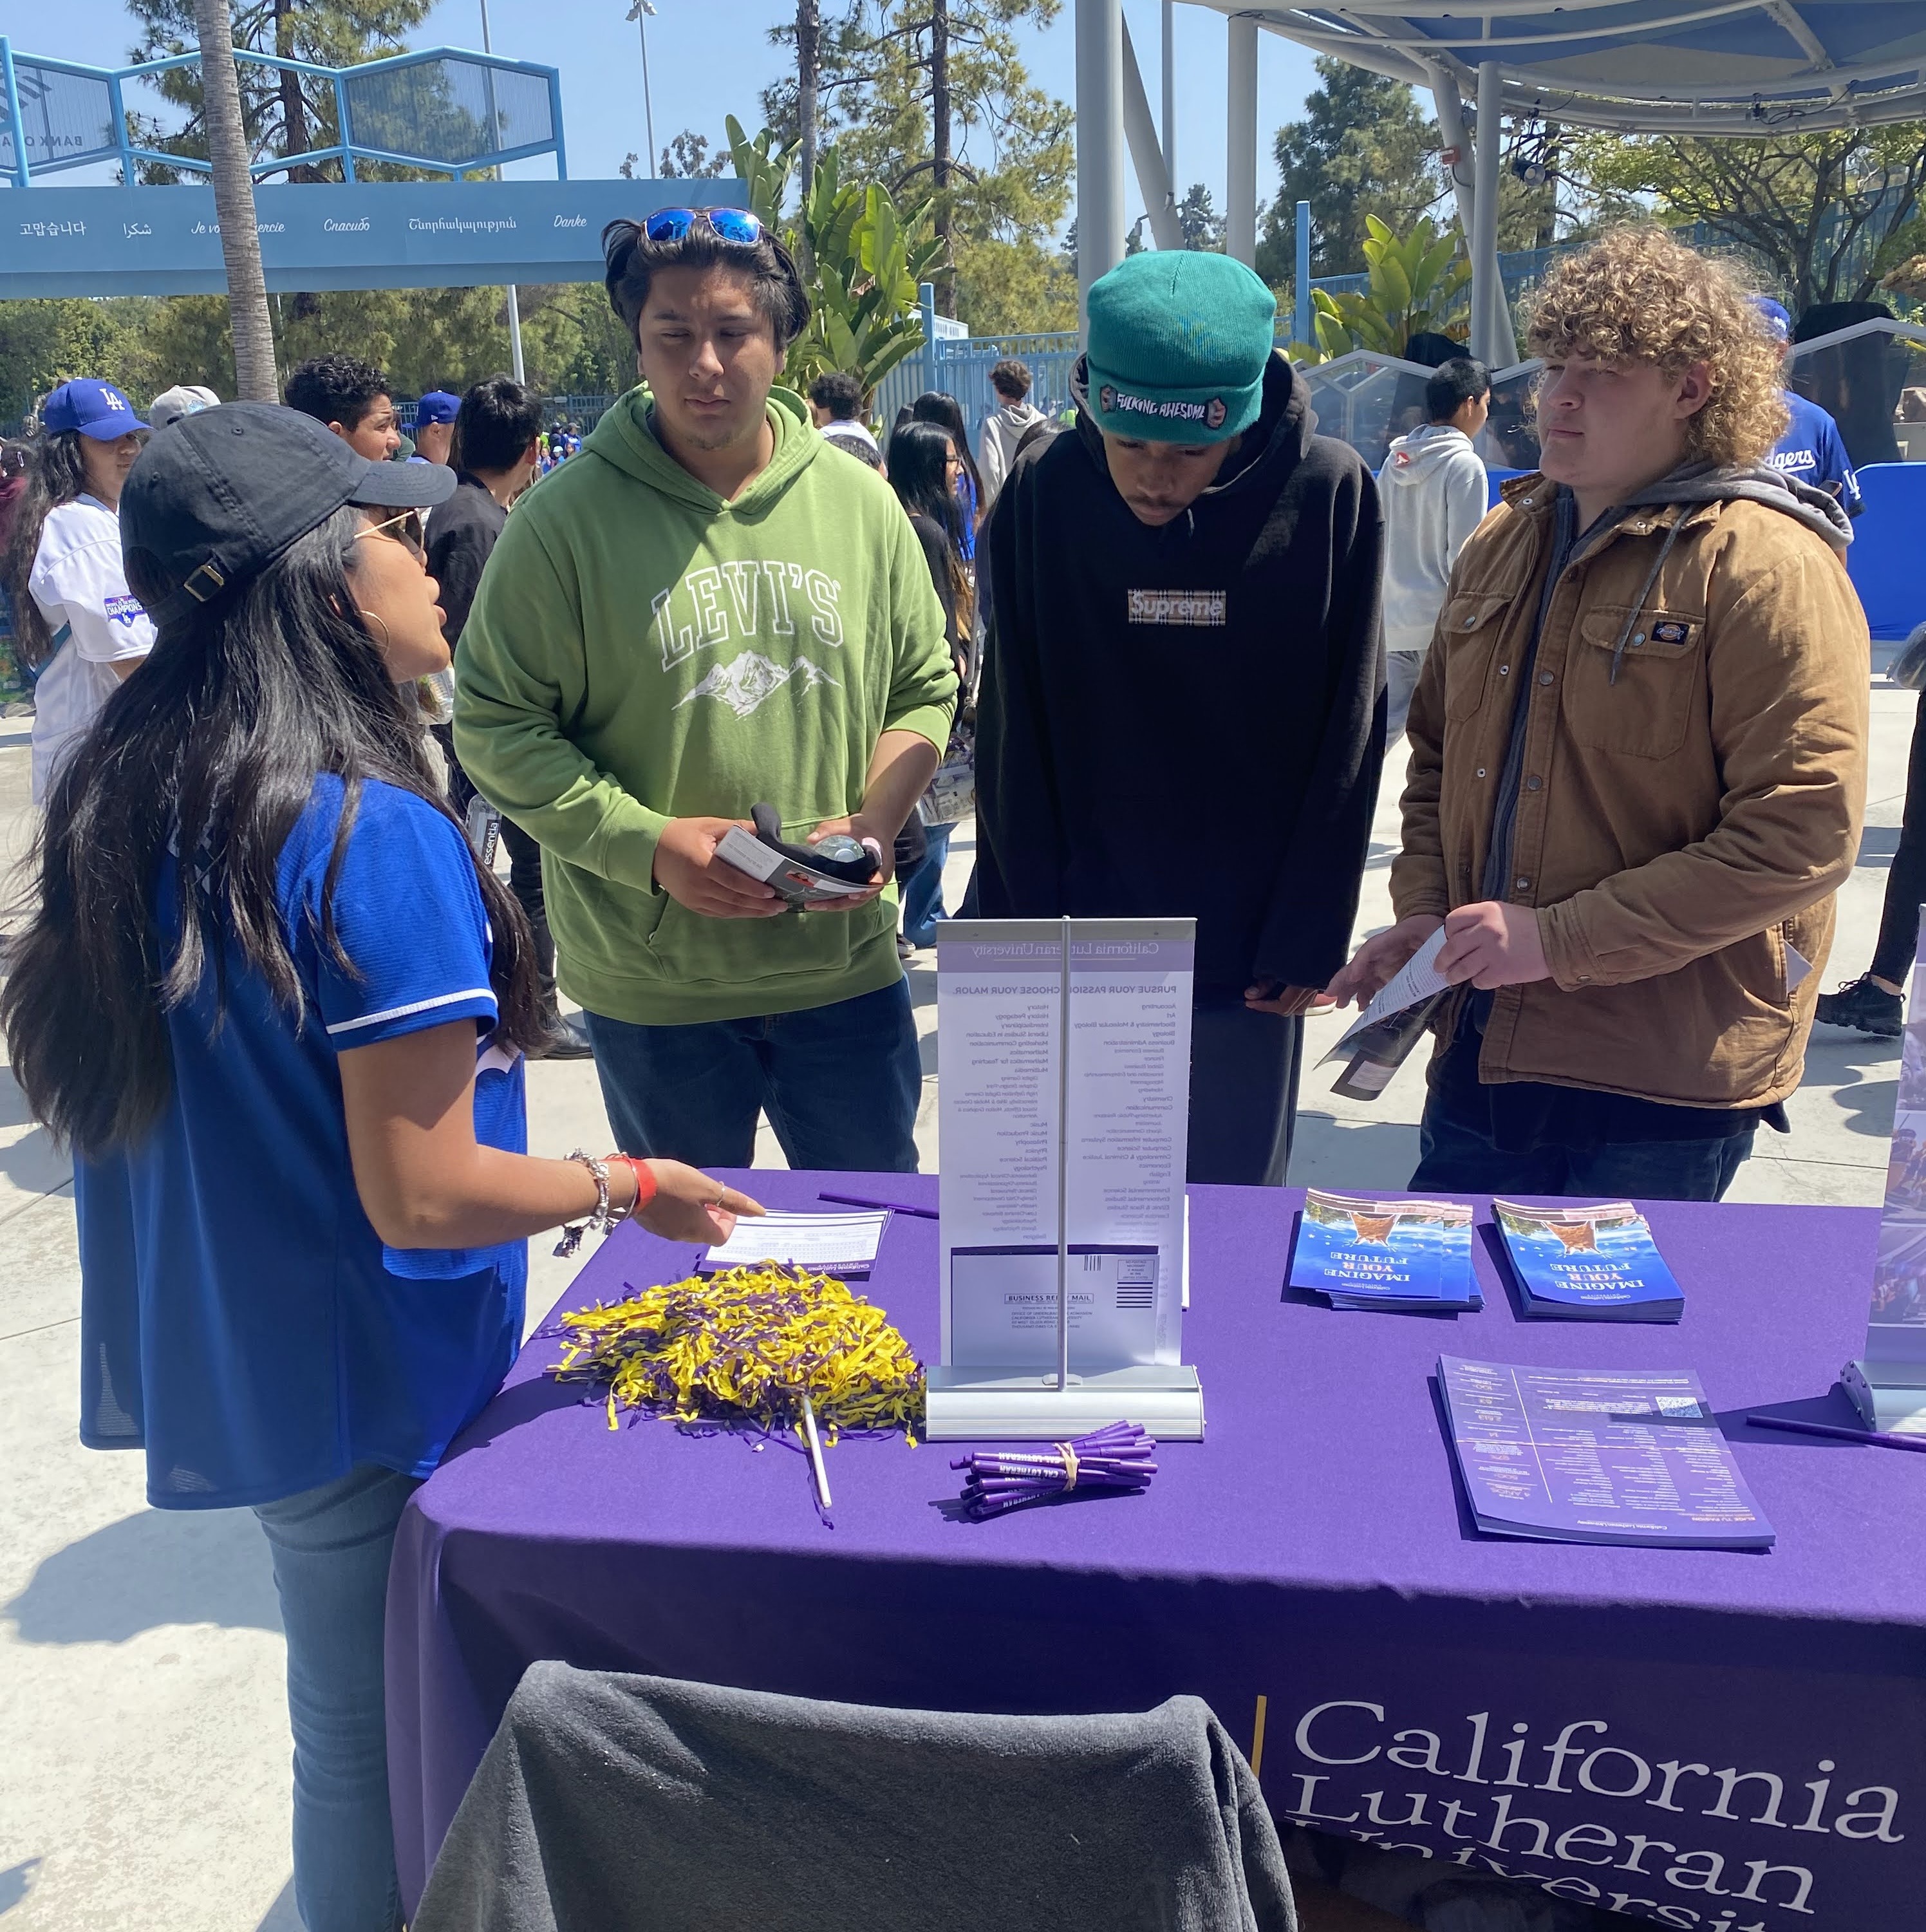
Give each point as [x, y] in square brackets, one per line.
[278, 1011]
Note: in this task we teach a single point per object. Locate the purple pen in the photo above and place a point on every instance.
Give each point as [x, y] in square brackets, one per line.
[1880, 1439]
[893, 1207]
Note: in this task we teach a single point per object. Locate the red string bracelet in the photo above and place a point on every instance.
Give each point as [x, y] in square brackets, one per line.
[645, 1182]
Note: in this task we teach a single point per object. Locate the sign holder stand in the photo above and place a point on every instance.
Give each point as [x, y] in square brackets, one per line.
[965, 1404]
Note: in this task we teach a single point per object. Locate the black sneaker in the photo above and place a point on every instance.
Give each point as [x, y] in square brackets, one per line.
[567, 1039]
[1860, 1003]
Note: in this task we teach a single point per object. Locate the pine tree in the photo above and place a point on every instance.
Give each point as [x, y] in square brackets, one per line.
[930, 97]
[1364, 148]
[281, 112]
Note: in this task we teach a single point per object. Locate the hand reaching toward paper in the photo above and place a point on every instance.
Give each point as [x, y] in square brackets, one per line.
[1381, 958]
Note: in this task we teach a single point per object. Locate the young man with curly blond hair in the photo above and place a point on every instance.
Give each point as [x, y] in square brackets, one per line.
[1638, 759]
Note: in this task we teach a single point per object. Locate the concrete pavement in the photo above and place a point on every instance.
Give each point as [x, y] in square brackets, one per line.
[143, 1738]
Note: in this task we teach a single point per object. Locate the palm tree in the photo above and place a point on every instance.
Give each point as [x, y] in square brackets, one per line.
[234, 206]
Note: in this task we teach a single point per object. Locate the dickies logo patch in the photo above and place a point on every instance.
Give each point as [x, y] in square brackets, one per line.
[1670, 631]
[1207, 609]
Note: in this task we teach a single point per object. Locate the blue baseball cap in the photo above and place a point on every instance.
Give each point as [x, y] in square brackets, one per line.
[93, 407]
[1778, 323]
[437, 406]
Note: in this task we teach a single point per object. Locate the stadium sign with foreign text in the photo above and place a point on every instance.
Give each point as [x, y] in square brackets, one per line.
[360, 234]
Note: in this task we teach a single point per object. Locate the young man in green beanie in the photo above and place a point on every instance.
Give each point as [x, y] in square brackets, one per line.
[1183, 707]
[704, 611]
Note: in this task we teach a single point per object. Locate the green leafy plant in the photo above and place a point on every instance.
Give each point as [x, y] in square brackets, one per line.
[862, 258]
[1414, 283]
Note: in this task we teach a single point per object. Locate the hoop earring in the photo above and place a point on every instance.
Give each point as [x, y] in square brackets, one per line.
[375, 617]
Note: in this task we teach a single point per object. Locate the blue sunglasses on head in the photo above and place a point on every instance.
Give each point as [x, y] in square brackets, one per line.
[726, 224]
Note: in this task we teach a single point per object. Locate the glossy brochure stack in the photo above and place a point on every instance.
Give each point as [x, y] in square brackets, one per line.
[1405, 1256]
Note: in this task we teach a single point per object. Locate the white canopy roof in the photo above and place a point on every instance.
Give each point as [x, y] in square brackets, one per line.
[1681, 67]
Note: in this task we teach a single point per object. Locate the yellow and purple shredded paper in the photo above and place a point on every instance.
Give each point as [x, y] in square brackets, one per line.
[742, 1346]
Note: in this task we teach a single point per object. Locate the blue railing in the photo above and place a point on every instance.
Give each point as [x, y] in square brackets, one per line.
[444, 109]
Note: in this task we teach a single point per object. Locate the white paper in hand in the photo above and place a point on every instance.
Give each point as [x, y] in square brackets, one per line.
[831, 1243]
[1418, 978]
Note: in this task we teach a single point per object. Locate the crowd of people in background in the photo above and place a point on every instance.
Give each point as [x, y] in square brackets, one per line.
[298, 670]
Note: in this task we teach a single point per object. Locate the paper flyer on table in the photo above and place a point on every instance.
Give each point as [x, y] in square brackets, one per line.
[1000, 1002]
[830, 1243]
[1597, 1456]
[1417, 979]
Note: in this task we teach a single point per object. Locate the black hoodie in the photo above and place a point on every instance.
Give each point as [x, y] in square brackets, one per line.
[1188, 720]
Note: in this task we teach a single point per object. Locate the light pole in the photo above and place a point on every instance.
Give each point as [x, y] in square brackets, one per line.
[642, 13]
[495, 134]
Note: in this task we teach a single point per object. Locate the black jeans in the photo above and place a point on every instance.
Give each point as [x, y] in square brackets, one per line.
[1244, 1092]
[1457, 1155]
[1906, 884]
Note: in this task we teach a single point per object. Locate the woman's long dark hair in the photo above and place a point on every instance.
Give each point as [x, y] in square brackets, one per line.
[919, 457]
[933, 406]
[213, 747]
[55, 475]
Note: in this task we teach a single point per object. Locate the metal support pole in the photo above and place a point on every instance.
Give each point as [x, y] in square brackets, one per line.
[926, 304]
[1152, 177]
[1240, 142]
[1168, 75]
[1450, 105]
[22, 174]
[1099, 106]
[341, 122]
[1064, 1163]
[495, 138]
[1305, 322]
[1484, 218]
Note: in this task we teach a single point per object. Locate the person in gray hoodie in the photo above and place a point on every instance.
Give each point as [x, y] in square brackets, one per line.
[1005, 425]
[1433, 493]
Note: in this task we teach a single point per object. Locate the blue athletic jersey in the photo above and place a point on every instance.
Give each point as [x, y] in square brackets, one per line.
[241, 1319]
[1812, 450]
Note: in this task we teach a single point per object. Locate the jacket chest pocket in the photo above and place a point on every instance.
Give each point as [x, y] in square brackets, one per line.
[1468, 630]
[1643, 712]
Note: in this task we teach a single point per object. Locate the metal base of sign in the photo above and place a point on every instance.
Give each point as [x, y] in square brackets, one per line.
[989, 1405]
[1889, 1396]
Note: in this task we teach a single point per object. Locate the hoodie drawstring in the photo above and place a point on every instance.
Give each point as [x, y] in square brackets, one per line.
[1652, 577]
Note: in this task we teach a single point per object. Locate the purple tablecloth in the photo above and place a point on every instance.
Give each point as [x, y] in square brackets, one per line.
[1706, 1739]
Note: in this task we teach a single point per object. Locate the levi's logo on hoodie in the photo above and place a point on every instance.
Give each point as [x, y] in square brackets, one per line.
[744, 600]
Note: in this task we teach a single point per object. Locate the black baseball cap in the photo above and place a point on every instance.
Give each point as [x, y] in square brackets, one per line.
[216, 496]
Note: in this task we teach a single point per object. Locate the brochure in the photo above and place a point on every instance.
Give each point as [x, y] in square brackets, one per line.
[1400, 1256]
[1380, 1040]
[1614, 1455]
[1575, 1263]
[1064, 1113]
[828, 1243]
[801, 885]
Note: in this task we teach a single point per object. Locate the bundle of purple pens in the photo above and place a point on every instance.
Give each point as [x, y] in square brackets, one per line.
[1115, 1458]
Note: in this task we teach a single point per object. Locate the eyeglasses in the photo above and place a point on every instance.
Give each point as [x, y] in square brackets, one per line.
[726, 224]
[408, 524]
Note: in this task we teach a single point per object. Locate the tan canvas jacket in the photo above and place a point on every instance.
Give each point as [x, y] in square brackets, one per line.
[1678, 828]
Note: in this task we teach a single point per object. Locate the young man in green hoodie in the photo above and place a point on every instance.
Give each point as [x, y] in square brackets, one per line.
[709, 609]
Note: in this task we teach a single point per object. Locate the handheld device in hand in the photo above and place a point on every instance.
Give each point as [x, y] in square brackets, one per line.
[805, 875]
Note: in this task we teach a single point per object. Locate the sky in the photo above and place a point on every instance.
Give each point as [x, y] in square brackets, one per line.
[711, 58]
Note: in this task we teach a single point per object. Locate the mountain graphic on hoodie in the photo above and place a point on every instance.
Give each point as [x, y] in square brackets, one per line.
[743, 684]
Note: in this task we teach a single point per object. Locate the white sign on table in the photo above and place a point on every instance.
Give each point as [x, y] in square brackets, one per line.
[1064, 1115]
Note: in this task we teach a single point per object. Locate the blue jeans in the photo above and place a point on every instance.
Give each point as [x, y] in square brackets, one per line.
[1456, 1156]
[330, 1547]
[840, 1085]
[923, 888]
